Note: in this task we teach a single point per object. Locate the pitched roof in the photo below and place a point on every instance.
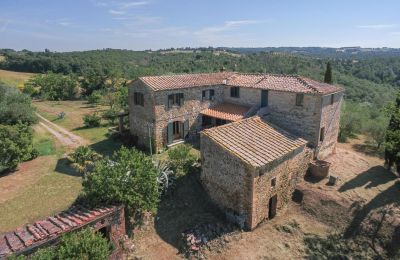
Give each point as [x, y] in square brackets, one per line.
[290, 83]
[226, 111]
[41, 231]
[185, 80]
[254, 140]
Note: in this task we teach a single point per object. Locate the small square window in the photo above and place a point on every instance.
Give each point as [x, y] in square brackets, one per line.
[273, 182]
[299, 100]
[235, 92]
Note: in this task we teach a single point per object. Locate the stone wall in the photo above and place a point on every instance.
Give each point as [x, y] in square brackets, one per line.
[226, 178]
[302, 121]
[141, 117]
[247, 96]
[288, 171]
[190, 110]
[330, 120]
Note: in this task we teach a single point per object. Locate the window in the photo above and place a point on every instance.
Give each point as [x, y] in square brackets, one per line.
[207, 95]
[138, 98]
[332, 99]
[273, 182]
[206, 120]
[322, 134]
[175, 99]
[299, 100]
[235, 92]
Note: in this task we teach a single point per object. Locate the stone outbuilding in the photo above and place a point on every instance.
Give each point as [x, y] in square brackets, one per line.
[250, 168]
[109, 221]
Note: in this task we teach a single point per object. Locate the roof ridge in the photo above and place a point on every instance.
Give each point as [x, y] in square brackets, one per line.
[306, 84]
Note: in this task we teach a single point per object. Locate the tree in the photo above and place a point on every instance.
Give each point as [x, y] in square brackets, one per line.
[83, 159]
[15, 145]
[129, 177]
[328, 74]
[52, 86]
[392, 144]
[15, 106]
[376, 130]
[181, 158]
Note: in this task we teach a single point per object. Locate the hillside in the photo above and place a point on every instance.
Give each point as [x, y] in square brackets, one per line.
[366, 79]
[14, 78]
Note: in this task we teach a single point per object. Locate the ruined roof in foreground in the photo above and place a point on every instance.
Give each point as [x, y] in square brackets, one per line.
[289, 83]
[28, 236]
[254, 140]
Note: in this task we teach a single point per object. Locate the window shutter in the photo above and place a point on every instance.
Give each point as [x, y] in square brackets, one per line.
[203, 95]
[181, 99]
[212, 94]
[232, 91]
[170, 130]
[170, 100]
[185, 128]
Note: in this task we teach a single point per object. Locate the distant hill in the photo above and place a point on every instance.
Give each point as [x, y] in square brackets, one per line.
[369, 75]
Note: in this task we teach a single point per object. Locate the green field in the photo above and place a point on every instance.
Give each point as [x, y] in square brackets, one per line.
[15, 78]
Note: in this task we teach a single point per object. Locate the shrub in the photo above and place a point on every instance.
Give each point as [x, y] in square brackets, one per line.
[110, 115]
[91, 120]
[15, 145]
[83, 159]
[85, 244]
[181, 159]
[129, 177]
[15, 107]
[95, 97]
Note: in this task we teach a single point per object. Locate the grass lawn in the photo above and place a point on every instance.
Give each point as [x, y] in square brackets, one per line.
[74, 112]
[40, 187]
[14, 78]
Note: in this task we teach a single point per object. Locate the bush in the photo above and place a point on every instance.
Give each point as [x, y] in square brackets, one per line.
[15, 107]
[83, 159]
[95, 97]
[110, 115]
[15, 145]
[129, 177]
[91, 120]
[84, 244]
[181, 159]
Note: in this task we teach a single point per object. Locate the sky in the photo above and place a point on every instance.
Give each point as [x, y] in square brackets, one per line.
[72, 25]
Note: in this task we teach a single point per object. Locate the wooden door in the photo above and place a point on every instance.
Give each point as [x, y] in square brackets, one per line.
[272, 207]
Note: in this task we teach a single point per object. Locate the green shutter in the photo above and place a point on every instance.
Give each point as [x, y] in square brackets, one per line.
[170, 129]
[185, 128]
[181, 99]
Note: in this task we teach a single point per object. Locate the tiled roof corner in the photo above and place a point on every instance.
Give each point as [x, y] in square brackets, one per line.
[254, 140]
[25, 237]
[227, 111]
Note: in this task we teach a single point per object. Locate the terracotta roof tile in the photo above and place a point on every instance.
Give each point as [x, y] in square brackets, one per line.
[254, 140]
[290, 83]
[227, 111]
[43, 230]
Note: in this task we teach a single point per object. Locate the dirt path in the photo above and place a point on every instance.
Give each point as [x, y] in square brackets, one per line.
[64, 136]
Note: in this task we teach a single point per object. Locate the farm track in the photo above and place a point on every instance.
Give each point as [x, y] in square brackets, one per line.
[64, 136]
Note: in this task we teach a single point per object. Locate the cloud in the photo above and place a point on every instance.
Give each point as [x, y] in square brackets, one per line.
[377, 26]
[116, 12]
[65, 24]
[227, 26]
[127, 5]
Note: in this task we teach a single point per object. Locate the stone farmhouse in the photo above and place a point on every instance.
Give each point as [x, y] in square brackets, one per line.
[258, 132]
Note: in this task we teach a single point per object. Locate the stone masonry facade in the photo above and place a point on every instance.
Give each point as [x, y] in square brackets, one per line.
[305, 120]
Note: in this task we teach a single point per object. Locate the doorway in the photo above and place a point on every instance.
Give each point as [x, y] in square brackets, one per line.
[264, 98]
[272, 207]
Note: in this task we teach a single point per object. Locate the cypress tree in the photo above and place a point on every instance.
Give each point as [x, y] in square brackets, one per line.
[328, 74]
[392, 144]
